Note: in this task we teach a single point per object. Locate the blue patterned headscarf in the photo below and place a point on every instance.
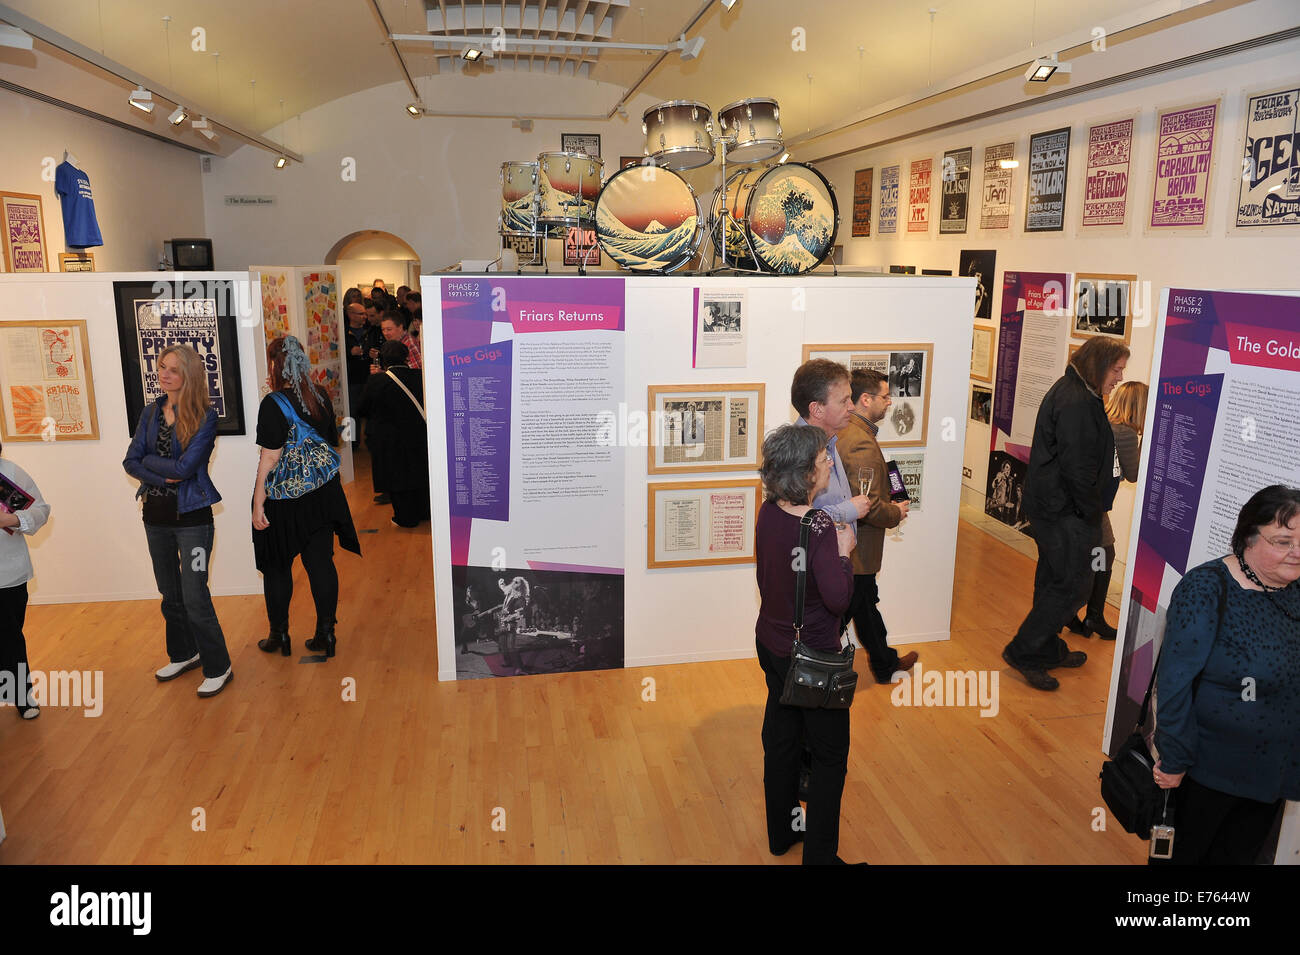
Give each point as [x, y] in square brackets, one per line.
[297, 369]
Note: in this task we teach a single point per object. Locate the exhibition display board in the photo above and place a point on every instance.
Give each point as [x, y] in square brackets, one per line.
[546, 481]
[93, 547]
[306, 302]
[1222, 423]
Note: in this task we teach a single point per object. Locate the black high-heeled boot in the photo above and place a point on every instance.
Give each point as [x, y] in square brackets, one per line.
[277, 640]
[323, 642]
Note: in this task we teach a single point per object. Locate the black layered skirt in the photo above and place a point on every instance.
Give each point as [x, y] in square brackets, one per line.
[295, 521]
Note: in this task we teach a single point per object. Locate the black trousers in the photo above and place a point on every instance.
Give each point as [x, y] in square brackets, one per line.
[864, 612]
[786, 731]
[318, 560]
[410, 508]
[13, 646]
[1062, 583]
[1216, 828]
[1096, 608]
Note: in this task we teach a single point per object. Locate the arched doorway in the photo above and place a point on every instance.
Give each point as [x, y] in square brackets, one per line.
[370, 254]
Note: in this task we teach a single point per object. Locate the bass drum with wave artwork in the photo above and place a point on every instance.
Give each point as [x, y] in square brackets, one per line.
[648, 219]
[787, 215]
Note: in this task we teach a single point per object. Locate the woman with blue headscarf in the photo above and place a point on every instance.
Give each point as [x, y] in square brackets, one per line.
[298, 503]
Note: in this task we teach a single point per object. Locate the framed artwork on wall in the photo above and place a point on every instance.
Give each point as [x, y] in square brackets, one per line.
[705, 427]
[586, 143]
[908, 368]
[697, 523]
[152, 316]
[1103, 306]
[24, 232]
[47, 391]
[981, 353]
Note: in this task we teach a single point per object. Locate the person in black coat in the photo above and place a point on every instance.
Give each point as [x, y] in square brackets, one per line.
[393, 405]
[1070, 468]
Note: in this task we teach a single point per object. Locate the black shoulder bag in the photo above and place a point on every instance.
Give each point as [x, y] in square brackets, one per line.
[816, 679]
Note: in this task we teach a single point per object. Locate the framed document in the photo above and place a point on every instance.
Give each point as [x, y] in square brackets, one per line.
[694, 523]
[908, 366]
[705, 427]
[152, 316]
[24, 232]
[981, 353]
[46, 389]
[76, 261]
[586, 143]
[1103, 306]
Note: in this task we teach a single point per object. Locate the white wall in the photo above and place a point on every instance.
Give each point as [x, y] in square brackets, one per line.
[145, 191]
[93, 547]
[1220, 258]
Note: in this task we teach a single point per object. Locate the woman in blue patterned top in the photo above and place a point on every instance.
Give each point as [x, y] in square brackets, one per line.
[1228, 690]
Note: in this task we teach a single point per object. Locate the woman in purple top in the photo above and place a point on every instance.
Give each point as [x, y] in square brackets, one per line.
[796, 467]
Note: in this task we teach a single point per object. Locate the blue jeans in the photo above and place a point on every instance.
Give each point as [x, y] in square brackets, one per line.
[182, 576]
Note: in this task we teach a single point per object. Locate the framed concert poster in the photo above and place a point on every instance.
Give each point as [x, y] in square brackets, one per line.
[581, 247]
[862, 186]
[697, 523]
[24, 232]
[47, 392]
[907, 367]
[586, 143]
[705, 427]
[1102, 306]
[153, 316]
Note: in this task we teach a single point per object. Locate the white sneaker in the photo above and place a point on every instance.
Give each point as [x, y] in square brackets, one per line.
[31, 712]
[215, 684]
[172, 670]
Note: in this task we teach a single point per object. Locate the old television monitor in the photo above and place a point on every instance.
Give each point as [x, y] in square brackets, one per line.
[191, 255]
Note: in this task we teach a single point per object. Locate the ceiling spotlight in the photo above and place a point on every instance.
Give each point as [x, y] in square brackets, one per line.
[622, 111]
[142, 100]
[205, 128]
[281, 161]
[178, 116]
[784, 157]
[14, 38]
[415, 109]
[728, 4]
[690, 48]
[471, 53]
[1044, 67]
[1009, 163]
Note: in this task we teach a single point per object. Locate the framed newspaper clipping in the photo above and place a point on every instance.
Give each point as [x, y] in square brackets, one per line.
[46, 389]
[696, 428]
[695, 523]
[907, 366]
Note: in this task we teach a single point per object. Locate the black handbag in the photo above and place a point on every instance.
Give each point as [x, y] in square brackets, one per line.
[817, 679]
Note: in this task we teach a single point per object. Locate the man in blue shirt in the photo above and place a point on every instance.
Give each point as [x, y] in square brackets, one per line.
[821, 394]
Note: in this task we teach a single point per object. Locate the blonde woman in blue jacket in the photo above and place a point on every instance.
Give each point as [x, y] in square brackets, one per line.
[169, 455]
[15, 571]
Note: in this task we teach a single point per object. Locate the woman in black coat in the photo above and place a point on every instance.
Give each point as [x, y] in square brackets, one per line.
[393, 406]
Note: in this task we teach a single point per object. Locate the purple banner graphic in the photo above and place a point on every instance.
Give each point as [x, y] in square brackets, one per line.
[1184, 158]
[1008, 355]
[1105, 184]
[477, 382]
[888, 199]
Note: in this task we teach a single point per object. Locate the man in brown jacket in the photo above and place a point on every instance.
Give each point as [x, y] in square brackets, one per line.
[858, 449]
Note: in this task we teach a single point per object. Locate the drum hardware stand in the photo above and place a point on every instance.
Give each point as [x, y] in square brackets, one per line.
[726, 141]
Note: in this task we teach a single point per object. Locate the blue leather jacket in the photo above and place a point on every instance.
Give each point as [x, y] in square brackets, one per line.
[195, 489]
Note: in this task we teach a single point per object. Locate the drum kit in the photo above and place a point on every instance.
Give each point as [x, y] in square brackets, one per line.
[778, 219]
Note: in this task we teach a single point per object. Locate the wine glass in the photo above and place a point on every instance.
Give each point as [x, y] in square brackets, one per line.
[865, 477]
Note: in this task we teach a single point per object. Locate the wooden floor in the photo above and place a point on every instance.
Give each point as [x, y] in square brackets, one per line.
[570, 768]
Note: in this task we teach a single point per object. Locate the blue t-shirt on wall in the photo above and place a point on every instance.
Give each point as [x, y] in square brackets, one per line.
[80, 227]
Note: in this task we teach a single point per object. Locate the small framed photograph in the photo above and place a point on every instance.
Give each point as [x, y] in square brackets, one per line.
[76, 261]
[981, 404]
[24, 232]
[697, 523]
[705, 427]
[586, 143]
[907, 366]
[981, 353]
[1103, 306]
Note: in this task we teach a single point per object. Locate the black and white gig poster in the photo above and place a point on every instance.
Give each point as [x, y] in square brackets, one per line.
[1049, 156]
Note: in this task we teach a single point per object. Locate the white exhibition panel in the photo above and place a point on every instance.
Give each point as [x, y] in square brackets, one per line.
[678, 615]
[93, 547]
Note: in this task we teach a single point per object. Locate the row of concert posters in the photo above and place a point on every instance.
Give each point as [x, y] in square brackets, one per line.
[532, 502]
[1221, 425]
[47, 392]
[153, 316]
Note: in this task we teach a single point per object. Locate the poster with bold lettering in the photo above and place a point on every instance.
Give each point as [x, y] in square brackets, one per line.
[1223, 422]
[888, 200]
[918, 195]
[154, 316]
[531, 504]
[995, 208]
[1106, 175]
[1269, 194]
[1184, 158]
[1049, 158]
[955, 191]
[862, 186]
